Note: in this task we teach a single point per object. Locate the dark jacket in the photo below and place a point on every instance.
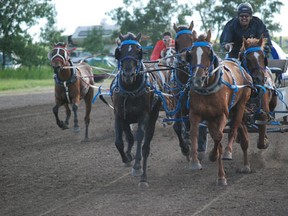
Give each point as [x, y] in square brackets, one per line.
[233, 33]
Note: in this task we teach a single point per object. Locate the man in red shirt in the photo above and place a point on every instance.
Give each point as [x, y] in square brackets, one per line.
[166, 42]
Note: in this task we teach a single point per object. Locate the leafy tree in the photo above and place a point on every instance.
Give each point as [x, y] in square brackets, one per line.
[17, 16]
[94, 42]
[214, 14]
[151, 19]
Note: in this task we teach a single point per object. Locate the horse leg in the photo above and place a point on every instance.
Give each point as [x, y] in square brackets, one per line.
[216, 131]
[263, 142]
[202, 142]
[88, 103]
[137, 168]
[75, 110]
[130, 140]
[68, 114]
[185, 147]
[119, 140]
[60, 123]
[149, 133]
[194, 131]
[244, 142]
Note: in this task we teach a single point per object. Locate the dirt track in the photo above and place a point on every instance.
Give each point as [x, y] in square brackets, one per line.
[47, 171]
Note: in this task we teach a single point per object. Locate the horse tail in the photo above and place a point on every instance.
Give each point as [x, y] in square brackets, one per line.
[100, 77]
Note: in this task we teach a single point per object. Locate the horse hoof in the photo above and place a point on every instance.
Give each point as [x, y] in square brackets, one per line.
[86, 139]
[201, 155]
[227, 155]
[246, 169]
[265, 146]
[143, 185]
[128, 164]
[136, 172]
[213, 157]
[195, 166]
[221, 182]
[76, 129]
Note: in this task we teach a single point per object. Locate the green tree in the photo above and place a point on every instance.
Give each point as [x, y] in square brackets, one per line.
[214, 14]
[17, 16]
[151, 19]
[94, 42]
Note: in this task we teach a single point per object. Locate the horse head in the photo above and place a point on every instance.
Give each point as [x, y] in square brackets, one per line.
[168, 56]
[183, 39]
[253, 59]
[129, 57]
[202, 60]
[59, 56]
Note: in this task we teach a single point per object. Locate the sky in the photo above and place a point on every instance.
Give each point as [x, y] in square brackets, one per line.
[71, 14]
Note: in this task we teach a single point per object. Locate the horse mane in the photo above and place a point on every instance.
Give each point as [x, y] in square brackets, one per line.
[253, 42]
[60, 44]
[129, 36]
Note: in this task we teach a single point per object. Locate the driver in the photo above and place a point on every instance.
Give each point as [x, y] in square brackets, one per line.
[244, 25]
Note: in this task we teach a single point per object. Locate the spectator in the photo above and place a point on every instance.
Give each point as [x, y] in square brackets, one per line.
[244, 25]
[166, 42]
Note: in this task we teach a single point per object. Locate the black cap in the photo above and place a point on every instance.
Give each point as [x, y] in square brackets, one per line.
[245, 8]
[167, 34]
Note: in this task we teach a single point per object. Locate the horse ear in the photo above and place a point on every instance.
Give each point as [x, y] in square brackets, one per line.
[194, 35]
[208, 37]
[138, 36]
[121, 37]
[245, 43]
[191, 25]
[175, 27]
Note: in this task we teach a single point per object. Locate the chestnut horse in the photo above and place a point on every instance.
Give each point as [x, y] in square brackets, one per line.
[219, 92]
[134, 101]
[72, 83]
[264, 100]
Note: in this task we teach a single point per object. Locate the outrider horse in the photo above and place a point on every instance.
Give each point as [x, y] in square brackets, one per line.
[72, 83]
[134, 101]
[183, 42]
[218, 93]
[264, 100]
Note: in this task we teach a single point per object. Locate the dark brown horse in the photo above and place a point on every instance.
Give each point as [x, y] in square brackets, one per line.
[264, 100]
[134, 101]
[72, 83]
[219, 92]
[183, 42]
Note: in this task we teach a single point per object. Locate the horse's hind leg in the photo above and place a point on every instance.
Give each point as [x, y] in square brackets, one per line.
[88, 103]
[75, 110]
[60, 123]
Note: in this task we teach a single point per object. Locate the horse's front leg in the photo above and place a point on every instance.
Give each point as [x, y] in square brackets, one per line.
[60, 123]
[75, 111]
[149, 133]
[263, 142]
[180, 132]
[194, 132]
[137, 168]
[216, 131]
[130, 140]
[119, 140]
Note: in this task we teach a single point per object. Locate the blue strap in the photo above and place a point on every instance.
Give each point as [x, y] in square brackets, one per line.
[95, 97]
[130, 42]
[186, 31]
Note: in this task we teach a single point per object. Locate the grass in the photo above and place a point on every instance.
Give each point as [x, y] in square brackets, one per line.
[25, 78]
